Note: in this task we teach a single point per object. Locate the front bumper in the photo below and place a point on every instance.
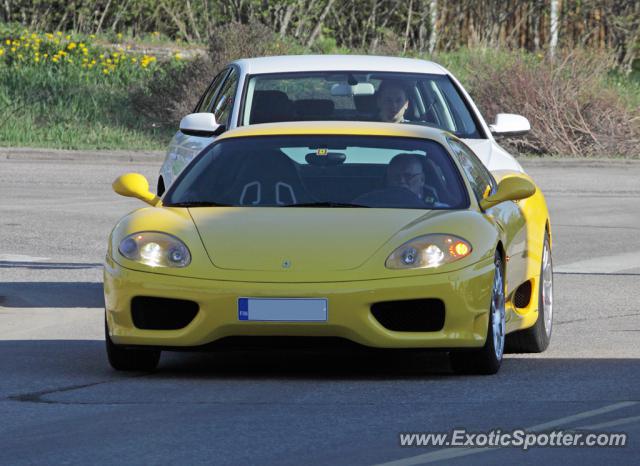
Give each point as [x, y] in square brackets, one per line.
[466, 294]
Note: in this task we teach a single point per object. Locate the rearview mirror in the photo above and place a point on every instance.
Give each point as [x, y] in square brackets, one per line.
[347, 90]
[511, 188]
[200, 124]
[135, 185]
[508, 124]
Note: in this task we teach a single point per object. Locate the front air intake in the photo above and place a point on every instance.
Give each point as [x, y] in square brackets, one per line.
[149, 313]
[412, 315]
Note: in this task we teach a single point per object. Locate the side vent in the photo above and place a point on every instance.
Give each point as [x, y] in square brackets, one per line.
[522, 296]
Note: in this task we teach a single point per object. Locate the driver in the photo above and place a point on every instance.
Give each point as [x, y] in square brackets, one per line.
[392, 101]
[406, 171]
[405, 185]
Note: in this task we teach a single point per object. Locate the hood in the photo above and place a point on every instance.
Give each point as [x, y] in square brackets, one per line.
[300, 239]
[492, 155]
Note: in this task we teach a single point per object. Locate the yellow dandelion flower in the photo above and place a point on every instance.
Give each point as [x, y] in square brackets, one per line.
[1, 52]
[67, 37]
[8, 41]
[92, 36]
[105, 71]
[13, 49]
[36, 59]
[34, 36]
[119, 35]
[134, 60]
[45, 55]
[54, 59]
[58, 33]
[102, 55]
[48, 35]
[72, 46]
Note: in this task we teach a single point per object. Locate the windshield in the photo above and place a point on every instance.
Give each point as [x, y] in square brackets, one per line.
[321, 171]
[421, 99]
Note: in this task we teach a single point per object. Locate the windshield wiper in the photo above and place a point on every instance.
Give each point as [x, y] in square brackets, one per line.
[197, 204]
[326, 204]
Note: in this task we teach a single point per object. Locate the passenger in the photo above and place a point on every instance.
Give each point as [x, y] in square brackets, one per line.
[392, 101]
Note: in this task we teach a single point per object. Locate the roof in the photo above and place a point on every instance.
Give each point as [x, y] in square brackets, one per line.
[297, 63]
[355, 128]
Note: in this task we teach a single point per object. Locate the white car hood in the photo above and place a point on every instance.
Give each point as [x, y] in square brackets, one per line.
[492, 155]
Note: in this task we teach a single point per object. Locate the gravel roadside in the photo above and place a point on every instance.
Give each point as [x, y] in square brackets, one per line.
[157, 156]
[31, 154]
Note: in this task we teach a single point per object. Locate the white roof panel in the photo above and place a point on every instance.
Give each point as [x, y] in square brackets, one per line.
[298, 63]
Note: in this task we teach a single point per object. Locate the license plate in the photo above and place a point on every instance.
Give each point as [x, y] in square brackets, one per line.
[282, 309]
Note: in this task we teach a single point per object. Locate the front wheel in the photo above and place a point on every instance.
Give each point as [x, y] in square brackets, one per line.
[487, 360]
[128, 359]
[536, 339]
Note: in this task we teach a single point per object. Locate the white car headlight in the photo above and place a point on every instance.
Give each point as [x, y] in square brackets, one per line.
[428, 251]
[155, 249]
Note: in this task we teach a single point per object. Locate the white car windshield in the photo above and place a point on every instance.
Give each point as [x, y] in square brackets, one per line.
[422, 99]
[321, 171]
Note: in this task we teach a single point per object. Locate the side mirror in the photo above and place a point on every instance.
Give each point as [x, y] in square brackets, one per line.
[135, 185]
[511, 188]
[200, 124]
[508, 124]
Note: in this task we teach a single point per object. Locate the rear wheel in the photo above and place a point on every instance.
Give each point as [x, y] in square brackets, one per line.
[536, 339]
[487, 360]
[128, 359]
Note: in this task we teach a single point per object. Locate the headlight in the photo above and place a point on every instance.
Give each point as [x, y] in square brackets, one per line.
[155, 249]
[428, 251]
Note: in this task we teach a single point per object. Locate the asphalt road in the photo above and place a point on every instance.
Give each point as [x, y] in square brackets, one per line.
[61, 403]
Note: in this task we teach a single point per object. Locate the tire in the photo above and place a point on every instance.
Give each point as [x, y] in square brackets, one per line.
[536, 339]
[488, 359]
[127, 359]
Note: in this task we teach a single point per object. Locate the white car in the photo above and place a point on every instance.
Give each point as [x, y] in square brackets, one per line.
[335, 88]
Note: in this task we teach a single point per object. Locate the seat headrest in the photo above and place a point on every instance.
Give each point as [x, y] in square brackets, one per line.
[270, 107]
[314, 109]
[366, 103]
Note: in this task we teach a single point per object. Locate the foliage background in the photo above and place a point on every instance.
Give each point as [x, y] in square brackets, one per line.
[570, 66]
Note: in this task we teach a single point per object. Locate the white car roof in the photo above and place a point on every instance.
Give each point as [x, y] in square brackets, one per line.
[297, 63]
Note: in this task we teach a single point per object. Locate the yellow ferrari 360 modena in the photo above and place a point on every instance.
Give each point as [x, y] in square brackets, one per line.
[383, 235]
